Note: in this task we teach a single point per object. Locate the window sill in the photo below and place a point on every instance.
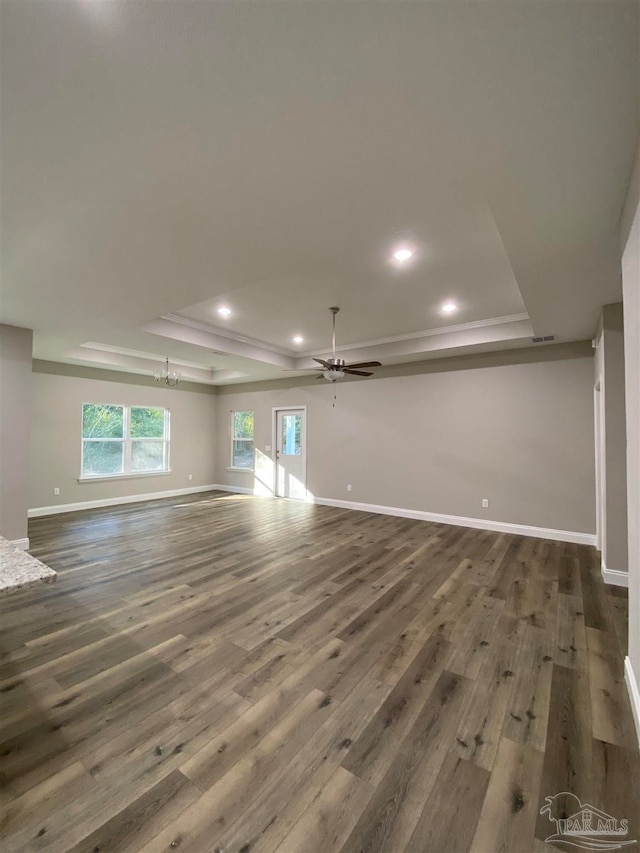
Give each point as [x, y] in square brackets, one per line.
[133, 476]
[241, 470]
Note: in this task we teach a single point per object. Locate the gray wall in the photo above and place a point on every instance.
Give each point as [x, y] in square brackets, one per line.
[630, 236]
[610, 359]
[56, 439]
[514, 427]
[15, 417]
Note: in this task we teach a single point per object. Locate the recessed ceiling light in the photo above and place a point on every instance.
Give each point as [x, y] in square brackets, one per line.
[449, 308]
[298, 339]
[403, 254]
[223, 311]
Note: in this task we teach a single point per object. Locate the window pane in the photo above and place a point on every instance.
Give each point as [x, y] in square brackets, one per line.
[243, 424]
[147, 455]
[102, 421]
[291, 429]
[242, 454]
[147, 423]
[102, 457]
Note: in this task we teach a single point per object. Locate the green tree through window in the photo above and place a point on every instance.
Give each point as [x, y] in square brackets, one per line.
[242, 440]
[124, 439]
[100, 421]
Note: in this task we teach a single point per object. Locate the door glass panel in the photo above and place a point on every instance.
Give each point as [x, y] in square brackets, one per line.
[290, 435]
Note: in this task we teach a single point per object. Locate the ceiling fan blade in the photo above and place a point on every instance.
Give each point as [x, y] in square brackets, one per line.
[322, 362]
[364, 364]
[356, 372]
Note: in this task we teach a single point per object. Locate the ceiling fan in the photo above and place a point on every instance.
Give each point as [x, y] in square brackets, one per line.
[335, 368]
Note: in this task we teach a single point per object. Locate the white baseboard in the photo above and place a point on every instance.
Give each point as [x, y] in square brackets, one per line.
[240, 490]
[462, 521]
[634, 693]
[21, 544]
[613, 576]
[419, 515]
[456, 520]
[128, 499]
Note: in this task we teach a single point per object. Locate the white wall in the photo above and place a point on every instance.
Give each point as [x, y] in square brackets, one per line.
[516, 428]
[56, 434]
[630, 236]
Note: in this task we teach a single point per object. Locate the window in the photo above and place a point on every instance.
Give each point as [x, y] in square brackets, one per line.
[242, 440]
[119, 440]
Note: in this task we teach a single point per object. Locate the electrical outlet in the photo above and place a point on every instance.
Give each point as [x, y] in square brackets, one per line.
[191, 476]
[485, 502]
[56, 491]
[349, 487]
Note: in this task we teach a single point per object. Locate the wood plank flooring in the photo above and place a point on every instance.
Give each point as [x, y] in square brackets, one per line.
[227, 673]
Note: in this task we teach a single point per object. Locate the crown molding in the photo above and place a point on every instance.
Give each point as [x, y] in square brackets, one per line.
[297, 355]
[147, 356]
[427, 333]
[225, 333]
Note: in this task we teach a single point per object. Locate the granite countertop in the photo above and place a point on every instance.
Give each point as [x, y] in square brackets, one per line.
[19, 570]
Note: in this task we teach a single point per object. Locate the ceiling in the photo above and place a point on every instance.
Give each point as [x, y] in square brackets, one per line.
[161, 159]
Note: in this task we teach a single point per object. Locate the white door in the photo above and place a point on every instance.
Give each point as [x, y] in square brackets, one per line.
[291, 454]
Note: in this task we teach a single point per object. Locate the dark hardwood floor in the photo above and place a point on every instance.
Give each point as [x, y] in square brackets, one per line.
[228, 673]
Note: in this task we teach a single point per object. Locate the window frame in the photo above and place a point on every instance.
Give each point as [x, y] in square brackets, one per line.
[233, 439]
[127, 442]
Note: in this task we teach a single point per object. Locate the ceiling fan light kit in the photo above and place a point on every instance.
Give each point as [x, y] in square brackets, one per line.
[332, 375]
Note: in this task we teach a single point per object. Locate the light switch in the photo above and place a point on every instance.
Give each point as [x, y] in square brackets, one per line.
[267, 448]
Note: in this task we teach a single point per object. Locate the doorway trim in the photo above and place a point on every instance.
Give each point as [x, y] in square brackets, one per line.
[600, 453]
[274, 445]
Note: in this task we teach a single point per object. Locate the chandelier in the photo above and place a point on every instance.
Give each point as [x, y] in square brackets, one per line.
[167, 376]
